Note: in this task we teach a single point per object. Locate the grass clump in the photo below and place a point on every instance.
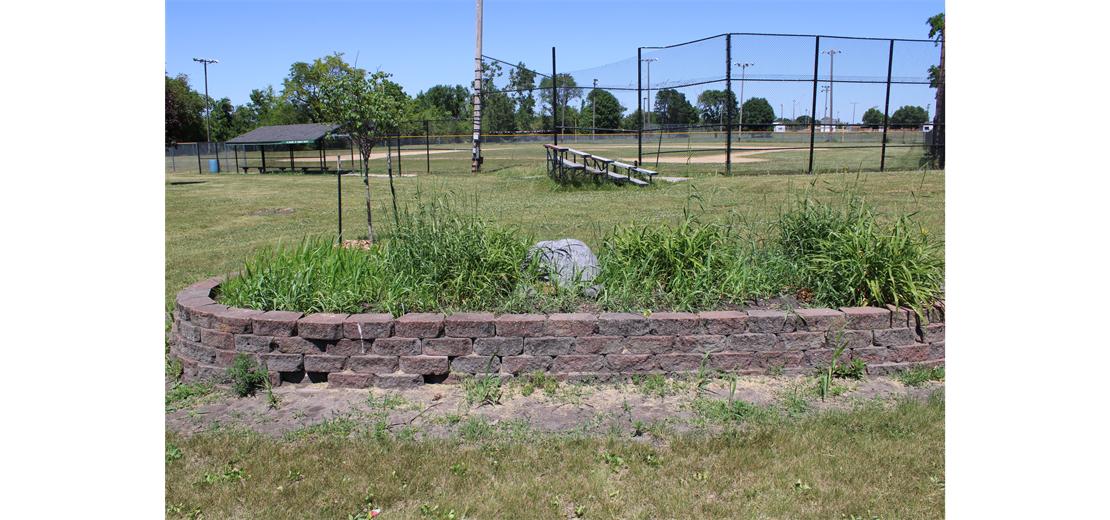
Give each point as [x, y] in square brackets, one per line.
[437, 259]
[848, 256]
[441, 259]
[918, 375]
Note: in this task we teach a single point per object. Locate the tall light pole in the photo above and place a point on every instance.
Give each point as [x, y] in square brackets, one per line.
[854, 103]
[825, 90]
[648, 102]
[207, 110]
[831, 53]
[593, 105]
[793, 106]
[743, 69]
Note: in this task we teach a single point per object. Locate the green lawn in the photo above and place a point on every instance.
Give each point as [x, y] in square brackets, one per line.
[879, 460]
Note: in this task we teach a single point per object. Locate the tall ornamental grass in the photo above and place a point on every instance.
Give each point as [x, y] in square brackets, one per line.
[686, 267]
[441, 259]
[848, 256]
[311, 276]
[438, 258]
[455, 258]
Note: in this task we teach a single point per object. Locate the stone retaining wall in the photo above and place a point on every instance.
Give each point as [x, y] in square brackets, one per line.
[363, 350]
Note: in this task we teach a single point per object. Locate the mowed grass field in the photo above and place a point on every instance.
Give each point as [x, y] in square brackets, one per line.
[670, 153]
[884, 458]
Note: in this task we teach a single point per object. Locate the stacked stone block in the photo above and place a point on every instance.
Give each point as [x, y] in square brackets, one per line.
[364, 350]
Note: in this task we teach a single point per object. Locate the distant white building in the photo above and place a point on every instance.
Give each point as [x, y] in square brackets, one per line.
[927, 127]
[780, 128]
[828, 124]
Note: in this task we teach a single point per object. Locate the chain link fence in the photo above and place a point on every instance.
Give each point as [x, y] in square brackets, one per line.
[736, 103]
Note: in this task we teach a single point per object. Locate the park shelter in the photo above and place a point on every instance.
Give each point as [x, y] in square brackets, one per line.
[271, 137]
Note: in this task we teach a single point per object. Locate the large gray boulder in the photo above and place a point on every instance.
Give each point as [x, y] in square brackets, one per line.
[566, 263]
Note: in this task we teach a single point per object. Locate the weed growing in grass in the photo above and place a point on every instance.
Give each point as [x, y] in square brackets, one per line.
[793, 403]
[476, 428]
[173, 453]
[230, 473]
[245, 376]
[918, 375]
[185, 395]
[539, 379]
[653, 385]
[728, 412]
[391, 401]
[482, 390]
[338, 425]
[854, 370]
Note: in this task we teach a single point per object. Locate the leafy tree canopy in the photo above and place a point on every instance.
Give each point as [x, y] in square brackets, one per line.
[758, 115]
[448, 101]
[873, 118]
[908, 116]
[184, 112]
[302, 88]
[714, 105]
[936, 31]
[605, 108]
[568, 90]
[522, 80]
[674, 109]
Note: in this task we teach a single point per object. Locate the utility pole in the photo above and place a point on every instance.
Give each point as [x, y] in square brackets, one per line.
[476, 160]
[207, 110]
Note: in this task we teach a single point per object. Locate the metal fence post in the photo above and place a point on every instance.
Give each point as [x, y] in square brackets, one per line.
[886, 106]
[554, 97]
[639, 120]
[199, 169]
[813, 118]
[728, 98]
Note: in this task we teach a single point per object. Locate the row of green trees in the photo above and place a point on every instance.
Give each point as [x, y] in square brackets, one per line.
[520, 105]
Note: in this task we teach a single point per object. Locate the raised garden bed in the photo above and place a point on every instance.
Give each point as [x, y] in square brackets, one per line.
[380, 350]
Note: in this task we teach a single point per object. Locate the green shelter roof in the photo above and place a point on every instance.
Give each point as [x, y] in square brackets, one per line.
[283, 134]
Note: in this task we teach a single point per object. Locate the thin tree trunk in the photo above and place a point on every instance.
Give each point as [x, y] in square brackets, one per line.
[366, 180]
[392, 192]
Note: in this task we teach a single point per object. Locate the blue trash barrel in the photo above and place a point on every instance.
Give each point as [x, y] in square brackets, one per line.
[213, 166]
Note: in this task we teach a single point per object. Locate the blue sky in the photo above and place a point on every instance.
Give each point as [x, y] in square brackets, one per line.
[425, 43]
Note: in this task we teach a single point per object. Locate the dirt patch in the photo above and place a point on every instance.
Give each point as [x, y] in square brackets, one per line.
[439, 411]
